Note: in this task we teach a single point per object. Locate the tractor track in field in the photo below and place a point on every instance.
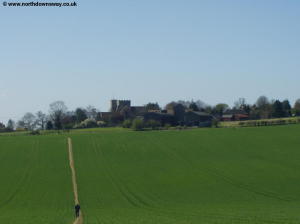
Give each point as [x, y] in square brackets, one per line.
[148, 204]
[118, 186]
[78, 220]
[20, 184]
[212, 171]
[139, 201]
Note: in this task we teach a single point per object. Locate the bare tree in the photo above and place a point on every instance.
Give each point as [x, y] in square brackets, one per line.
[20, 124]
[186, 103]
[28, 121]
[240, 103]
[91, 112]
[2, 126]
[57, 112]
[41, 119]
[200, 104]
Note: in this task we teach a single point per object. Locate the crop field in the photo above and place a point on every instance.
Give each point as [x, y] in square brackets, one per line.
[245, 175]
[35, 185]
[210, 176]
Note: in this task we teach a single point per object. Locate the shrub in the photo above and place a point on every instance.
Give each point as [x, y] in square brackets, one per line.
[36, 132]
[127, 124]
[21, 129]
[167, 126]
[241, 123]
[90, 123]
[68, 126]
[137, 124]
[78, 126]
[215, 123]
[87, 123]
[153, 124]
[101, 124]
[178, 127]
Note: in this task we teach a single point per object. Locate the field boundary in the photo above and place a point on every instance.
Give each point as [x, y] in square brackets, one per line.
[261, 122]
[78, 220]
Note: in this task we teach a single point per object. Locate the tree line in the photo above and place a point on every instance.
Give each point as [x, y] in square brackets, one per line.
[59, 117]
[263, 108]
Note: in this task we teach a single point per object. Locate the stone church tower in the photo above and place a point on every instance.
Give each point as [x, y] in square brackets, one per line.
[117, 105]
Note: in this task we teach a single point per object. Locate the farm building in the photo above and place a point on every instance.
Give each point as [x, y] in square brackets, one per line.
[195, 118]
[235, 115]
[162, 118]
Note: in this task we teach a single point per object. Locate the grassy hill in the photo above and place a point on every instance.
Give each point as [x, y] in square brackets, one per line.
[230, 175]
[247, 175]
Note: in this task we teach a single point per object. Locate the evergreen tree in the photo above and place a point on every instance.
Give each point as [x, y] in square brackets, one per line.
[49, 125]
[10, 125]
[80, 115]
[277, 109]
[286, 106]
[193, 106]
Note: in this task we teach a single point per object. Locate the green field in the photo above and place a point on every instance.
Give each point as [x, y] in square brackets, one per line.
[230, 175]
[247, 175]
[35, 185]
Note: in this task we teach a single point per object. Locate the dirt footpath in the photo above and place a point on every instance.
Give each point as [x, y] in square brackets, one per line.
[78, 220]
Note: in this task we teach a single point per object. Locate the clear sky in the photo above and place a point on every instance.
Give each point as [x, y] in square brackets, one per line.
[154, 50]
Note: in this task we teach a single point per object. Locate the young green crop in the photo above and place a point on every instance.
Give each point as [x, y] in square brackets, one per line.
[35, 182]
[248, 175]
[243, 175]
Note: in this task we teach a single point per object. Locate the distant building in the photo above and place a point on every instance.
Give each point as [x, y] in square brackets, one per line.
[235, 115]
[227, 117]
[121, 110]
[196, 118]
[138, 110]
[175, 114]
[118, 105]
[162, 118]
[177, 110]
[111, 117]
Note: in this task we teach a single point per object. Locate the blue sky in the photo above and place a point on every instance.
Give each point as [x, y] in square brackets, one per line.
[157, 51]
